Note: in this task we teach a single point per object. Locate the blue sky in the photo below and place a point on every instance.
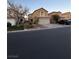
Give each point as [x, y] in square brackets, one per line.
[50, 5]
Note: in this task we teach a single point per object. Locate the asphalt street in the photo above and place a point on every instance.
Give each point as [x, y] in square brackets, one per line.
[41, 44]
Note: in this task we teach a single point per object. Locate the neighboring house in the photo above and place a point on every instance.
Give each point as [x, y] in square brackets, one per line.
[42, 15]
[63, 16]
[66, 16]
[55, 13]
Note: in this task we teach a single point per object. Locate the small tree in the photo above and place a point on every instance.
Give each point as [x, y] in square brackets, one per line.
[16, 11]
[36, 20]
[54, 18]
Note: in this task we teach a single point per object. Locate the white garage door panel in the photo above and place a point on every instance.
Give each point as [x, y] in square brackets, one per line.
[44, 21]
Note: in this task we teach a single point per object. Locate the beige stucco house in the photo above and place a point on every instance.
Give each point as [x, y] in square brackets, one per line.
[55, 13]
[63, 16]
[44, 16]
[66, 16]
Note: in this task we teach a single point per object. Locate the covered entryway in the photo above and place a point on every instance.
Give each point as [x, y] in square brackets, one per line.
[44, 20]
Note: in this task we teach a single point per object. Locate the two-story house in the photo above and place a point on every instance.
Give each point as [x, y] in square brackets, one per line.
[66, 16]
[42, 14]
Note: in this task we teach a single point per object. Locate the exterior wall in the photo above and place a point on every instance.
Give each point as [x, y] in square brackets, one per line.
[55, 13]
[66, 16]
[63, 16]
[39, 13]
[12, 21]
[42, 14]
[36, 14]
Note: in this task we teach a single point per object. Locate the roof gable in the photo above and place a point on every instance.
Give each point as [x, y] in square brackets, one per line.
[40, 9]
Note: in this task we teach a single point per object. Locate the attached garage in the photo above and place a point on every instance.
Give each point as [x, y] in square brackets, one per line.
[44, 20]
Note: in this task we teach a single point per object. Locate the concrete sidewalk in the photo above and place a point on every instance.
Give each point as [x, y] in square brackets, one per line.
[55, 25]
[49, 26]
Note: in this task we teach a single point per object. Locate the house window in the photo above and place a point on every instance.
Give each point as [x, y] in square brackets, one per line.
[41, 13]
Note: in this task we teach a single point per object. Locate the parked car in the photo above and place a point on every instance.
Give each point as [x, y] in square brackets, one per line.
[65, 22]
[61, 22]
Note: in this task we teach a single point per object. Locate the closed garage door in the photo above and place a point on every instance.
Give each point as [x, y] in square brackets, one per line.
[44, 21]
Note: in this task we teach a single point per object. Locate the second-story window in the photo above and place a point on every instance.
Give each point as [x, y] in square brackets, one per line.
[41, 13]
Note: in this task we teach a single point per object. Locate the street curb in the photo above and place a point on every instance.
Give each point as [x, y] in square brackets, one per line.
[35, 29]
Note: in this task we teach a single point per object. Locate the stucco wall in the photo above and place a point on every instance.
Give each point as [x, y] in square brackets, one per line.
[12, 21]
[40, 13]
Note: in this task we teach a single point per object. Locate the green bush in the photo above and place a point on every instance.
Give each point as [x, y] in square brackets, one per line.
[16, 27]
